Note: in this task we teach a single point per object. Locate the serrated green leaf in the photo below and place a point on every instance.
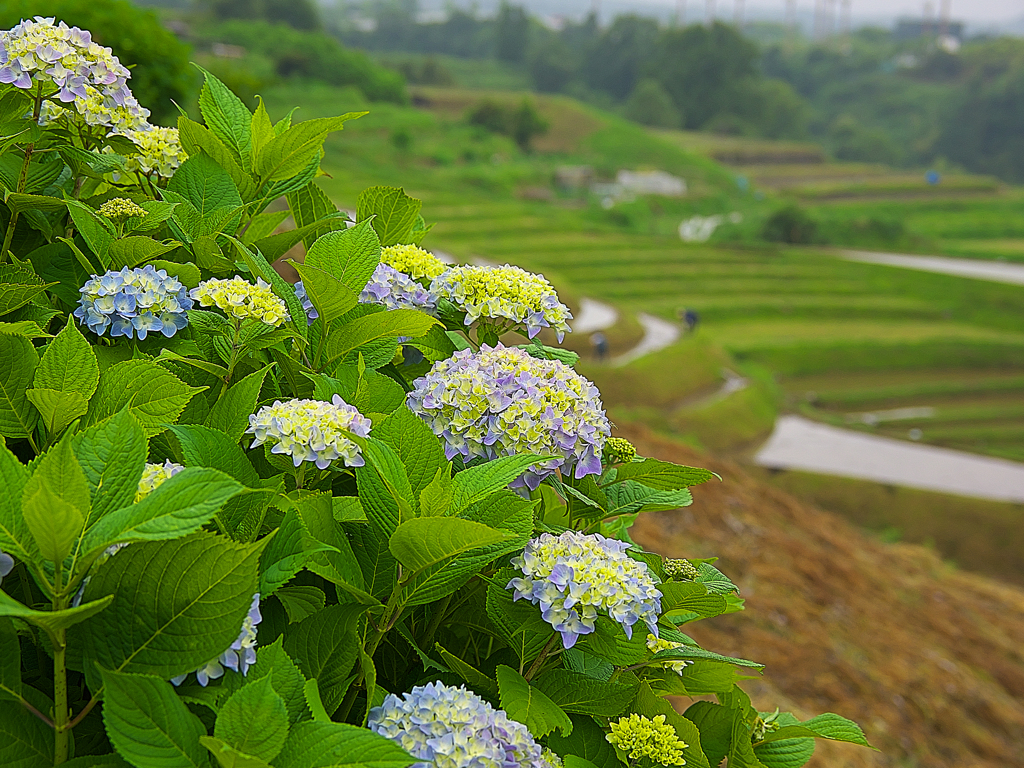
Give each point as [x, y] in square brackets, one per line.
[586, 742]
[153, 395]
[177, 604]
[229, 757]
[254, 720]
[575, 692]
[384, 488]
[274, 247]
[207, 447]
[178, 507]
[689, 598]
[416, 445]
[263, 226]
[629, 496]
[477, 680]
[316, 705]
[55, 502]
[148, 724]
[609, 641]
[287, 154]
[394, 213]
[325, 646]
[650, 705]
[260, 267]
[206, 185]
[15, 537]
[349, 255]
[663, 475]
[694, 652]
[826, 726]
[714, 580]
[112, 456]
[68, 364]
[25, 740]
[787, 753]
[308, 205]
[331, 297]
[93, 228]
[10, 661]
[286, 555]
[529, 705]
[715, 724]
[519, 624]
[230, 414]
[338, 745]
[196, 138]
[377, 326]
[51, 621]
[425, 541]
[477, 483]
[285, 676]
[132, 251]
[301, 602]
[58, 410]
[18, 361]
[226, 115]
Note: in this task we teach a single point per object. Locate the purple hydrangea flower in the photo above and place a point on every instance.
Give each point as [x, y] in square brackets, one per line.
[448, 727]
[500, 401]
[6, 564]
[575, 577]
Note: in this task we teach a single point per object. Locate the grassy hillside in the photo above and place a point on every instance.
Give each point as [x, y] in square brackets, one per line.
[927, 658]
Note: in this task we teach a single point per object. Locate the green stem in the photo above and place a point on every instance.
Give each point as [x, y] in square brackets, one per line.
[234, 359]
[62, 735]
[22, 179]
[535, 667]
[300, 475]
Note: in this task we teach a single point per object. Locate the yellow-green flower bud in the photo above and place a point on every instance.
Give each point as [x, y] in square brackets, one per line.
[618, 450]
[639, 737]
[120, 208]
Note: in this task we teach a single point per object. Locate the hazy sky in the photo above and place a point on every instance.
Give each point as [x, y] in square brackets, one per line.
[967, 10]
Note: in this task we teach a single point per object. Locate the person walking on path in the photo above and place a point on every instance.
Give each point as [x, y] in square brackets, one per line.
[600, 344]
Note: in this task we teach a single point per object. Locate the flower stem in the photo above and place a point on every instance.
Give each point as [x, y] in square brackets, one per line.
[62, 735]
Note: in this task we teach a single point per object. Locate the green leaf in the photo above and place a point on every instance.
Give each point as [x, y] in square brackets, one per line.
[226, 115]
[55, 502]
[206, 185]
[425, 541]
[650, 705]
[694, 652]
[519, 624]
[18, 286]
[68, 364]
[394, 213]
[316, 705]
[112, 456]
[477, 680]
[349, 255]
[416, 445]
[787, 753]
[331, 297]
[57, 409]
[332, 556]
[27, 329]
[25, 740]
[187, 273]
[522, 702]
[148, 724]
[275, 246]
[714, 580]
[435, 345]
[273, 662]
[196, 139]
[577, 693]
[263, 226]
[477, 483]
[325, 646]
[586, 742]
[262, 129]
[18, 361]
[133, 251]
[229, 757]
[51, 621]
[153, 395]
[177, 604]
[230, 414]
[689, 598]
[261, 267]
[301, 602]
[629, 496]
[308, 205]
[826, 726]
[207, 447]
[178, 507]
[93, 228]
[290, 152]
[286, 555]
[663, 475]
[338, 745]
[10, 661]
[384, 488]
[715, 724]
[254, 720]
[379, 325]
[15, 537]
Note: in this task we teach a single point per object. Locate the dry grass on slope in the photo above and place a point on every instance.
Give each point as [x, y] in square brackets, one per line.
[929, 660]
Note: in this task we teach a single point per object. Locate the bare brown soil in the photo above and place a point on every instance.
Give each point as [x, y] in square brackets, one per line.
[928, 659]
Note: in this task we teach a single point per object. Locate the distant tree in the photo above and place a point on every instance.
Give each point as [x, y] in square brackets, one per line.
[552, 67]
[299, 14]
[790, 224]
[512, 33]
[617, 60]
[850, 140]
[525, 123]
[704, 70]
[489, 115]
[649, 104]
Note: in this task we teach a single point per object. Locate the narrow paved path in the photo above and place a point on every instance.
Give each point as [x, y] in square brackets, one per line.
[802, 444]
[995, 271]
[658, 334]
[594, 316]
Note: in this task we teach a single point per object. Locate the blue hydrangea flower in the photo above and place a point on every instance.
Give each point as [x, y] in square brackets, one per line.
[6, 564]
[500, 401]
[134, 302]
[387, 286]
[448, 727]
[509, 295]
[311, 430]
[239, 657]
[573, 577]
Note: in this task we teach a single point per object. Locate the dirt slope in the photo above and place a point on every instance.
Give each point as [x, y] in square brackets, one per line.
[929, 660]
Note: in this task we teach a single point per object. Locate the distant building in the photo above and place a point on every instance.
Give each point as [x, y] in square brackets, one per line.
[911, 29]
[651, 183]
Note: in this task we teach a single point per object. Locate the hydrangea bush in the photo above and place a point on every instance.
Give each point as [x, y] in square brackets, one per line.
[246, 523]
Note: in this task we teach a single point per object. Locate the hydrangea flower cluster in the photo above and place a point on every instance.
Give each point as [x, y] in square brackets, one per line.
[396, 290]
[448, 727]
[155, 475]
[160, 151]
[506, 292]
[241, 300]
[640, 737]
[413, 261]
[6, 564]
[574, 576]
[311, 430]
[500, 401]
[618, 451]
[656, 644]
[239, 657]
[119, 208]
[134, 302]
[681, 569]
[71, 68]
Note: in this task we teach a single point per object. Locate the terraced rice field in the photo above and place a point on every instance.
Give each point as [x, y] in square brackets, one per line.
[860, 337]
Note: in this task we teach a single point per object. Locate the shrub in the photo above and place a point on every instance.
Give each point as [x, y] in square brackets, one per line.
[244, 528]
[520, 124]
[650, 104]
[791, 224]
